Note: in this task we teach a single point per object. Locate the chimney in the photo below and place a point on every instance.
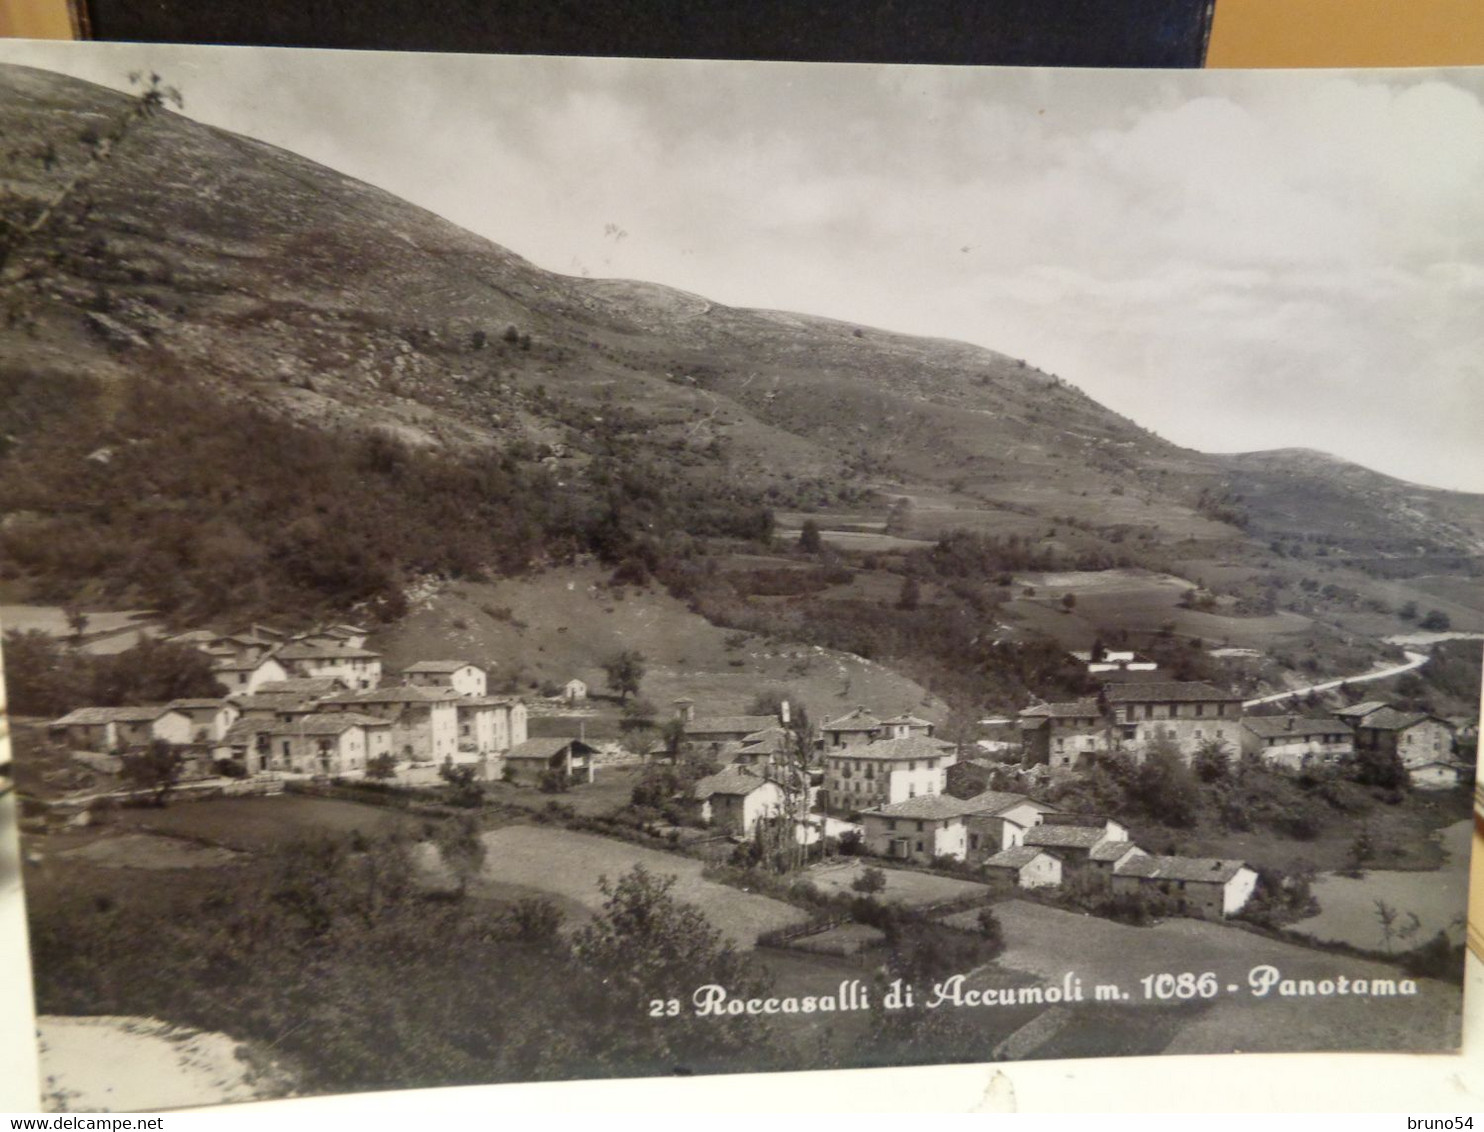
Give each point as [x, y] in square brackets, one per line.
[685, 709]
[783, 712]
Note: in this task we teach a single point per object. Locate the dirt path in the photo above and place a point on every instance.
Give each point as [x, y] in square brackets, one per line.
[1415, 660]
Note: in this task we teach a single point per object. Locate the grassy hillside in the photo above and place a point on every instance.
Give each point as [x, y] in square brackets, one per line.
[565, 622]
[240, 384]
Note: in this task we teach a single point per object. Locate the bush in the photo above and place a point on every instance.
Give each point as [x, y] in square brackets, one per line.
[553, 782]
[870, 881]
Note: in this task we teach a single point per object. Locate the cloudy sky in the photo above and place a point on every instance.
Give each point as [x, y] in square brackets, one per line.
[1238, 261]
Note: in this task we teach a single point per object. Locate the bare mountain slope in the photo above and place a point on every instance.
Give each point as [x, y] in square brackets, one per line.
[271, 279]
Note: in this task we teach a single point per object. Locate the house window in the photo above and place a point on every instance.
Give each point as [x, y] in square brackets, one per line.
[919, 827]
[1200, 710]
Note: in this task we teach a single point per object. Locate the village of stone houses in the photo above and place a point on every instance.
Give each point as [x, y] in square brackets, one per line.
[813, 845]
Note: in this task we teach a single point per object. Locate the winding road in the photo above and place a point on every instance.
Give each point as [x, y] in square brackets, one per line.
[1415, 660]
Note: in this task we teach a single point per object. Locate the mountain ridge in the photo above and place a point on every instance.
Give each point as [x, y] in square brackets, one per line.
[271, 280]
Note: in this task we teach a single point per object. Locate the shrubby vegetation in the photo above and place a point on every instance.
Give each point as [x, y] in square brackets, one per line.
[156, 492]
[47, 677]
[336, 956]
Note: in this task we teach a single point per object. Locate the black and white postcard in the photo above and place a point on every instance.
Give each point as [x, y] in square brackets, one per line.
[540, 569]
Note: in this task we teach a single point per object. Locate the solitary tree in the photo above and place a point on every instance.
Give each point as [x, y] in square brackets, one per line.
[809, 540]
[625, 672]
[461, 850]
[1436, 621]
[158, 769]
[1069, 602]
[77, 621]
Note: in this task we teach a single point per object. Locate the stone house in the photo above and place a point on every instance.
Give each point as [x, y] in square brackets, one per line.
[574, 691]
[332, 744]
[489, 725]
[528, 761]
[209, 718]
[1294, 742]
[1023, 867]
[1188, 713]
[245, 678]
[1063, 735]
[918, 829]
[861, 776]
[735, 800]
[464, 678]
[359, 669]
[861, 726]
[108, 730]
[425, 727]
[1000, 820]
[1439, 775]
[1195, 886]
[1415, 738]
[1074, 837]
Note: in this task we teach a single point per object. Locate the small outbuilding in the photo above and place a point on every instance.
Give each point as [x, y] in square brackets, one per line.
[1023, 867]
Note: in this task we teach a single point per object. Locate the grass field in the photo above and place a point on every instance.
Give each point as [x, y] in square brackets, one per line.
[259, 824]
[566, 622]
[568, 865]
[1404, 836]
[1137, 601]
[1347, 905]
[903, 886]
[1048, 943]
[611, 790]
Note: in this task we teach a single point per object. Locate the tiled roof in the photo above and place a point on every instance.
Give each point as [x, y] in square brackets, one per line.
[1113, 850]
[300, 651]
[998, 801]
[402, 695]
[936, 807]
[1076, 709]
[1167, 692]
[303, 686]
[1063, 836]
[895, 750]
[1206, 870]
[1276, 726]
[858, 720]
[328, 723]
[443, 666]
[194, 636]
[97, 715]
[1389, 719]
[197, 705]
[1014, 858]
[272, 701]
[907, 720]
[1355, 711]
[229, 665]
[544, 747]
[728, 724]
[730, 781]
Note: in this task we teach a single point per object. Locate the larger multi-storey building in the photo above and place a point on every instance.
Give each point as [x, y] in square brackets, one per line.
[1186, 713]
